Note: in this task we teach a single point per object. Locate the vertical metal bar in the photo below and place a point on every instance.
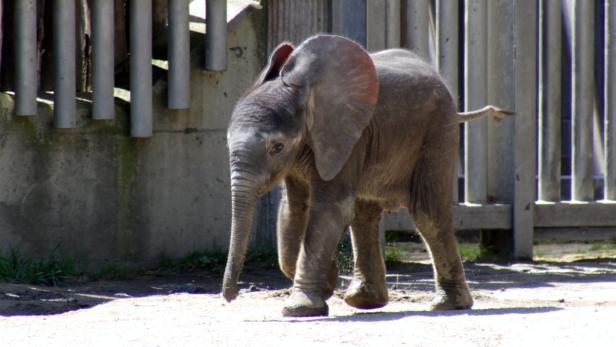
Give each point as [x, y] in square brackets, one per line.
[216, 38]
[475, 150]
[447, 53]
[178, 96]
[582, 97]
[103, 105]
[418, 27]
[550, 101]
[610, 100]
[64, 44]
[376, 24]
[26, 58]
[141, 67]
[526, 32]
[392, 33]
[349, 19]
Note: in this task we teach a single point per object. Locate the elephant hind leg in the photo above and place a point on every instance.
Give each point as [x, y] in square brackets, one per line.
[452, 291]
[368, 289]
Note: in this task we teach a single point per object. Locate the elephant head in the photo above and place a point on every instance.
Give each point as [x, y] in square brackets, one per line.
[321, 95]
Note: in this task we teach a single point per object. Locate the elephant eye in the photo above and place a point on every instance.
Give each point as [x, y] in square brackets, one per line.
[276, 148]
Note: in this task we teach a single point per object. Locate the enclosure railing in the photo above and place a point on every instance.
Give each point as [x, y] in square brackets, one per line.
[553, 62]
[103, 70]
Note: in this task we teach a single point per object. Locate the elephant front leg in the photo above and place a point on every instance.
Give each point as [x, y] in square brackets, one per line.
[313, 276]
[292, 223]
[368, 289]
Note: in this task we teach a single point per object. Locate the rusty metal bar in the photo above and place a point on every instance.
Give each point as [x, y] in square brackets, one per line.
[475, 86]
[64, 45]
[26, 58]
[140, 67]
[216, 38]
[418, 27]
[103, 105]
[178, 96]
[550, 100]
[610, 100]
[582, 96]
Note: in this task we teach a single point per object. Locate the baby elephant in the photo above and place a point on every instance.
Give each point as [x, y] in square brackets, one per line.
[350, 134]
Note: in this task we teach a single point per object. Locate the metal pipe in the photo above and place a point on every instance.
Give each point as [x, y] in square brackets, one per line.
[64, 44]
[418, 27]
[550, 99]
[141, 68]
[582, 96]
[447, 54]
[216, 37]
[103, 69]
[475, 96]
[392, 33]
[178, 96]
[610, 100]
[26, 58]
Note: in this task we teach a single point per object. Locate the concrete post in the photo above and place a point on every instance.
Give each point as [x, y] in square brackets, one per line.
[103, 67]
[64, 64]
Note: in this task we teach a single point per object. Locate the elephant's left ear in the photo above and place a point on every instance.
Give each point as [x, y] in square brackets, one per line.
[342, 91]
[277, 59]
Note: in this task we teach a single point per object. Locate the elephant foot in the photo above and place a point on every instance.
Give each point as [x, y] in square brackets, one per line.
[452, 297]
[364, 295]
[305, 304]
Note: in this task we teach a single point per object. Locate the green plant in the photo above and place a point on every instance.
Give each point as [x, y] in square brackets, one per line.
[471, 251]
[15, 267]
[392, 255]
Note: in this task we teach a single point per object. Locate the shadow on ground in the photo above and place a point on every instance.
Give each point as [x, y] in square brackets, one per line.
[20, 299]
[380, 316]
[490, 276]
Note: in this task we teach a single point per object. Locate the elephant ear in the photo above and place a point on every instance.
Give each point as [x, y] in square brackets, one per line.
[343, 89]
[276, 61]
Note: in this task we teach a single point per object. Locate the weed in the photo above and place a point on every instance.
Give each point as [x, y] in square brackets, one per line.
[470, 251]
[17, 268]
[392, 255]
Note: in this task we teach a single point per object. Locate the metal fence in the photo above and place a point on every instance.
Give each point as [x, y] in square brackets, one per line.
[101, 17]
[554, 62]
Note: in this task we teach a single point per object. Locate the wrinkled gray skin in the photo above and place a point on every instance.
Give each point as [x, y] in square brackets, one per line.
[350, 135]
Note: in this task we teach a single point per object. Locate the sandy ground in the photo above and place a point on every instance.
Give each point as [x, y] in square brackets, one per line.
[542, 303]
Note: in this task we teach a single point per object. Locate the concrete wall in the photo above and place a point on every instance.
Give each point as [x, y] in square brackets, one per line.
[99, 196]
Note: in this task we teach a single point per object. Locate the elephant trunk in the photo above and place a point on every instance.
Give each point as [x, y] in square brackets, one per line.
[243, 202]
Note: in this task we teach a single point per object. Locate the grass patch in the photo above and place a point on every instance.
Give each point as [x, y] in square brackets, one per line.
[17, 268]
[392, 255]
[470, 251]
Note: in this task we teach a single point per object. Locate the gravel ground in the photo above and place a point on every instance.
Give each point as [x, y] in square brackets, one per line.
[541, 303]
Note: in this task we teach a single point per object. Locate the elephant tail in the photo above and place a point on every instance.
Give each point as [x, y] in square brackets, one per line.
[489, 110]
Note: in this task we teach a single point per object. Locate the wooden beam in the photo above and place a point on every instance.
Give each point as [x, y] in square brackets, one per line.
[465, 217]
[565, 215]
[525, 143]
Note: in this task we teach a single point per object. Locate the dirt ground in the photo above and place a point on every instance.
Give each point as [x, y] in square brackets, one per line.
[543, 303]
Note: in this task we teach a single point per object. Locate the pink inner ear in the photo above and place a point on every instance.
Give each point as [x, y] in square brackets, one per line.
[281, 55]
[277, 60]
